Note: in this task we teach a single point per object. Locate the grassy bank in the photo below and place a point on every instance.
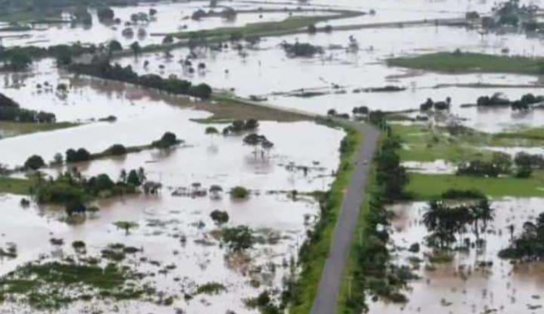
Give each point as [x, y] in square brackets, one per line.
[289, 26]
[315, 251]
[228, 109]
[452, 62]
[15, 186]
[10, 129]
[425, 187]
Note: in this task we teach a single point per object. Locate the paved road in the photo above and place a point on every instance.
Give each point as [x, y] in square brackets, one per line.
[331, 280]
[326, 301]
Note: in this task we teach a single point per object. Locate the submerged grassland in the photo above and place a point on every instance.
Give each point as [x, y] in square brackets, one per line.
[464, 62]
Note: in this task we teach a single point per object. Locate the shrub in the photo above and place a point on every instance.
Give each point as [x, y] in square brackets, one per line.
[238, 238]
[116, 150]
[168, 140]
[239, 192]
[219, 217]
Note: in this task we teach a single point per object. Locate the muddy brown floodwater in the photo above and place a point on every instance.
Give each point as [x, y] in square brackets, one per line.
[263, 70]
[461, 286]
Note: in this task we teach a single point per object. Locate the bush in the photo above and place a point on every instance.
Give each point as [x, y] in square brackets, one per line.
[239, 192]
[238, 238]
[219, 217]
[116, 150]
[168, 140]
[453, 194]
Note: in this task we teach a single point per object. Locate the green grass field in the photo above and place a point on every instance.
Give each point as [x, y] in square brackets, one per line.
[452, 62]
[10, 129]
[425, 187]
[424, 144]
[290, 25]
[15, 186]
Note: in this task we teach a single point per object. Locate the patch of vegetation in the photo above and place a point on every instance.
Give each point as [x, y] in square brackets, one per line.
[210, 288]
[466, 62]
[73, 190]
[238, 238]
[264, 303]
[459, 144]
[301, 49]
[239, 192]
[229, 109]
[126, 226]
[447, 223]
[10, 129]
[53, 285]
[239, 126]
[168, 140]
[528, 245]
[12, 112]
[219, 217]
[15, 185]
[291, 25]
[426, 187]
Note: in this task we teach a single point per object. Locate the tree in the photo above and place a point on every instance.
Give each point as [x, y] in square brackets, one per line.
[211, 130]
[34, 162]
[116, 150]
[103, 183]
[391, 175]
[57, 159]
[133, 178]
[19, 61]
[114, 46]
[77, 156]
[219, 217]
[203, 91]
[105, 14]
[123, 175]
[167, 140]
[239, 192]
[136, 49]
[126, 225]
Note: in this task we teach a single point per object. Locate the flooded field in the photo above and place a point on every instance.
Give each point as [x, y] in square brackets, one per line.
[170, 18]
[173, 244]
[336, 76]
[464, 285]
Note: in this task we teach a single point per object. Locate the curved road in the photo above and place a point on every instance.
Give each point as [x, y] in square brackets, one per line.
[326, 301]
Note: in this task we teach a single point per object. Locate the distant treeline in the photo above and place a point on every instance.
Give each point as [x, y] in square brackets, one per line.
[116, 72]
[11, 111]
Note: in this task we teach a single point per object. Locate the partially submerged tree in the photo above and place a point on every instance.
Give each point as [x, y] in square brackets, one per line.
[126, 226]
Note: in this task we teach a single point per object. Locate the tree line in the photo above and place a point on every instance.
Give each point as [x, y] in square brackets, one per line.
[105, 70]
[11, 111]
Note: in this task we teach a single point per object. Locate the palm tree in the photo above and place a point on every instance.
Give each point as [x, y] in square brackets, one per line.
[431, 218]
[511, 229]
[486, 213]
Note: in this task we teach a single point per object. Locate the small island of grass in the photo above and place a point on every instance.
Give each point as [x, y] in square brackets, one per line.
[467, 62]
